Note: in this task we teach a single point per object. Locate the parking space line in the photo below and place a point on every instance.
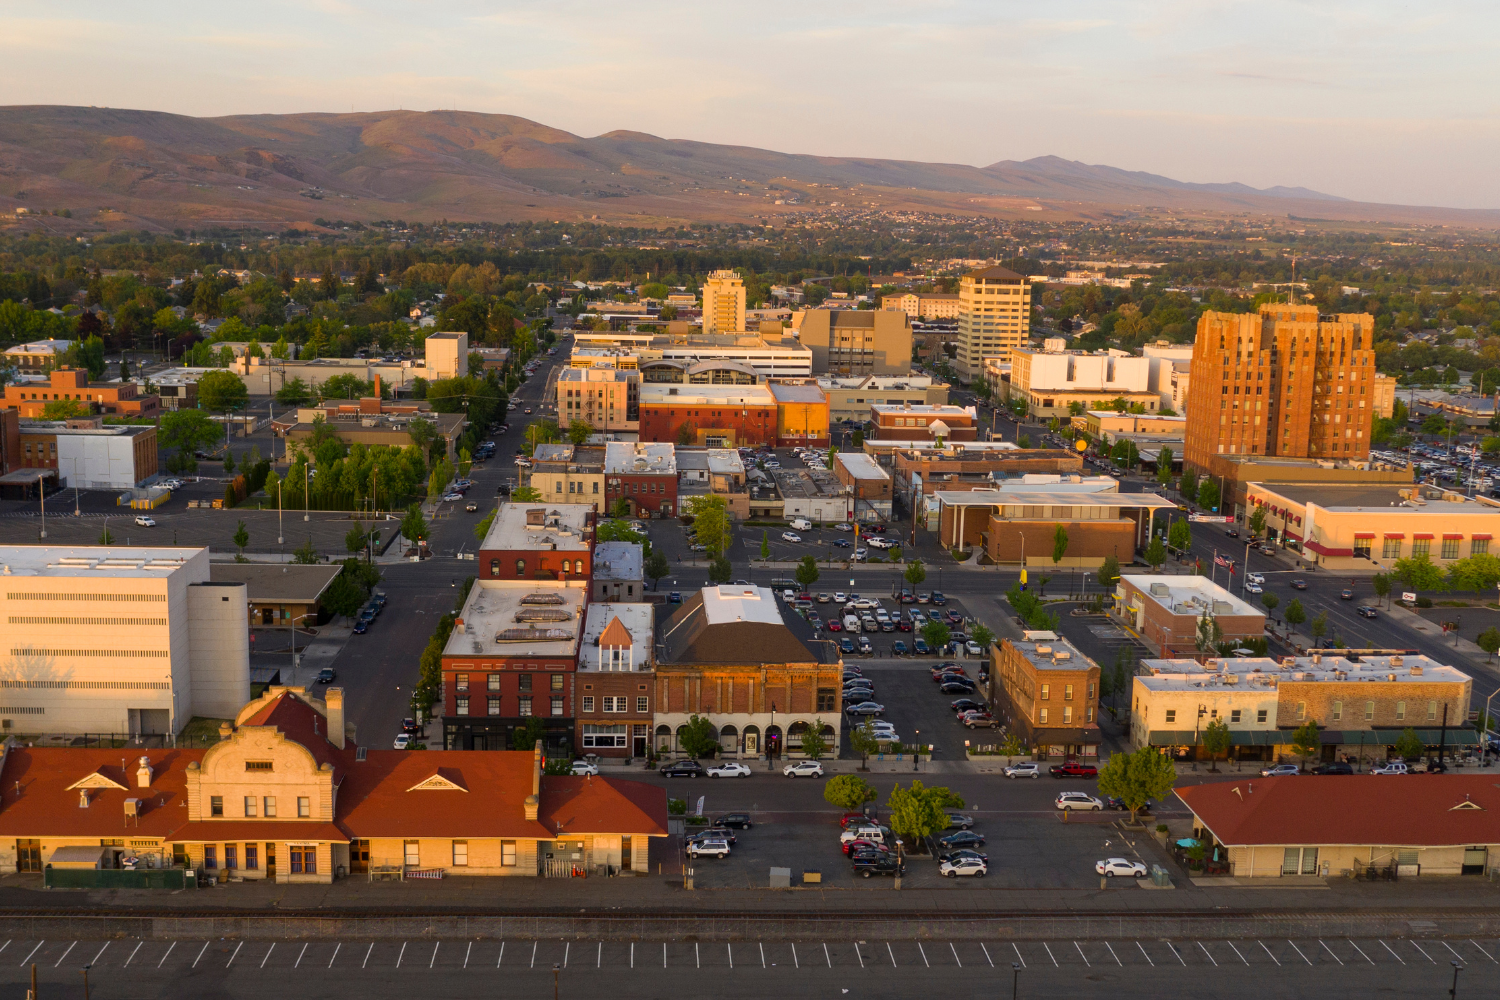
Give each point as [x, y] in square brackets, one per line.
[955, 955]
[830, 958]
[1424, 954]
[470, 950]
[888, 951]
[1298, 951]
[231, 957]
[1330, 951]
[1177, 954]
[169, 951]
[433, 961]
[4, 946]
[632, 953]
[298, 963]
[65, 954]
[1361, 951]
[95, 959]
[35, 950]
[663, 954]
[336, 947]
[1106, 944]
[1018, 954]
[263, 957]
[1232, 948]
[1137, 944]
[762, 953]
[1455, 954]
[502, 954]
[132, 954]
[795, 964]
[1081, 955]
[986, 954]
[1209, 954]
[598, 959]
[1481, 950]
[372, 948]
[1268, 951]
[534, 945]
[1393, 954]
[924, 955]
[567, 947]
[401, 955]
[1050, 955]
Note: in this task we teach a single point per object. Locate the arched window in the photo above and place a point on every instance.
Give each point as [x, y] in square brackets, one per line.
[494, 567]
[520, 567]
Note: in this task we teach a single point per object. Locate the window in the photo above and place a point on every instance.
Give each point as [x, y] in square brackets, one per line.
[494, 706]
[508, 853]
[252, 857]
[461, 705]
[1338, 711]
[1391, 549]
[304, 807]
[588, 702]
[1432, 711]
[460, 853]
[520, 567]
[1479, 546]
[1067, 692]
[1421, 547]
[492, 682]
[304, 860]
[557, 705]
[460, 682]
[1042, 717]
[557, 682]
[605, 737]
[825, 700]
[1450, 548]
[1234, 715]
[1046, 692]
[1400, 710]
[1171, 715]
[257, 765]
[1091, 690]
[494, 567]
[1362, 548]
[1260, 715]
[231, 856]
[216, 805]
[413, 853]
[250, 806]
[1307, 856]
[1067, 715]
[1301, 710]
[523, 706]
[269, 806]
[523, 682]
[643, 705]
[1369, 710]
[210, 855]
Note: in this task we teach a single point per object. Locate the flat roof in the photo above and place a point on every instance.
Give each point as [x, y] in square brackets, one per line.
[61, 427]
[618, 561]
[287, 583]
[93, 560]
[1050, 653]
[790, 393]
[1023, 497]
[1190, 595]
[638, 620]
[561, 526]
[664, 394]
[1252, 672]
[521, 618]
[883, 382]
[1384, 498]
[924, 409]
[861, 466]
[807, 483]
[623, 458]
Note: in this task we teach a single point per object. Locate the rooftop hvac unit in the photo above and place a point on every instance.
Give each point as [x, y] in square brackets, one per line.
[1160, 590]
[1044, 649]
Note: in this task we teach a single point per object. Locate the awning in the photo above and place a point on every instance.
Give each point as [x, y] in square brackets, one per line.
[1239, 738]
[1480, 538]
[1364, 534]
[1383, 737]
[1326, 550]
[1420, 535]
[1446, 536]
[1055, 737]
[1397, 534]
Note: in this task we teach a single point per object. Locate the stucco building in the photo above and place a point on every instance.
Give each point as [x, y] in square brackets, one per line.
[72, 384]
[713, 416]
[1166, 611]
[994, 317]
[616, 680]
[857, 342]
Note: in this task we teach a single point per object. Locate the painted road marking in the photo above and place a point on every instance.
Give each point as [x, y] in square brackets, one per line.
[1137, 944]
[1330, 951]
[795, 964]
[402, 955]
[169, 951]
[1050, 955]
[567, 946]
[433, 961]
[95, 959]
[1299, 951]
[955, 955]
[1393, 954]
[132, 955]
[986, 954]
[1177, 954]
[888, 951]
[1237, 952]
[1455, 954]
[38, 948]
[598, 961]
[924, 955]
[502, 954]
[1361, 951]
[470, 950]
[664, 954]
[829, 958]
[1268, 952]
[231, 957]
[372, 948]
[1081, 955]
[1111, 955]
[632, 953]
[299, 956]
[266, 956]
[1424, 954]
[65, 954]
[1018, 954]
[762, 954]
[4, 946]
[534, 945]
[336, 948]
[1209, 954]
[1481, 950]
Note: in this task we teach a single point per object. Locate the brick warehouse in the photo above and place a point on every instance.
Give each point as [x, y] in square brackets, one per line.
[642, 474]
[546, 541]
[713, 416]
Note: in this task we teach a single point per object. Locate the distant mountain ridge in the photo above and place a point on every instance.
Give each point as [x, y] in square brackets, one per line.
[159, 170]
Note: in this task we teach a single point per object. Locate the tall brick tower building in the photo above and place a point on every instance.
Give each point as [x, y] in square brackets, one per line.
[1285, 381]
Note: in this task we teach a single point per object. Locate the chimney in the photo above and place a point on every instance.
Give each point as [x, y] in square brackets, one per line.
[534, 800]
[334, 698]
[376, 381]
[225, 730]
[83, 798]
[143, 773]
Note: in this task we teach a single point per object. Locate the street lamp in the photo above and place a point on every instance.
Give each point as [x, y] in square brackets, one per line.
[279, 539]
[41, 492]
[1015, 977]
[770, 764]
[310, 614]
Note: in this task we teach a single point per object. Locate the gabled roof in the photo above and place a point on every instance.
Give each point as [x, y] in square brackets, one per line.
[305, 725]
[615, 634]
[391, 794]
[39, 792]
[573, 805]
[1430, 810]
[700, 633]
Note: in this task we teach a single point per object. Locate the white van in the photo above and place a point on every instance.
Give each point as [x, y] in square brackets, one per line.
[801, 524]
[851, 623]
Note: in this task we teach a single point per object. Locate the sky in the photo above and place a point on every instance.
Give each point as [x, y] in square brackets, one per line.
[1366, 99]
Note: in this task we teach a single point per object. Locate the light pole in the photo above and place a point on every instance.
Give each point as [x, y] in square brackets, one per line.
[916, 757]
[1015, 978]
[310, 614]
[41, 492]
[279, 539]
[1452, 991]
[770, 764]
[305, 516]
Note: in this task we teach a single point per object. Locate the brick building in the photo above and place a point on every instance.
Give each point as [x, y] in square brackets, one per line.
[714, 416]
[118, 398]
[801, 414]
[568, 473]
[88, 454]
[616, 680]
[643, 474]
[554, 541]
[1020, 523]
[1165, 611]
[869, 484]
[1046, 692]
[923, 423]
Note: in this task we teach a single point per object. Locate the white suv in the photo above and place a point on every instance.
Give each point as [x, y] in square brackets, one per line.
[803, 769]
[1391, 767]
[711, 848]
[967, 865]
[1079, 801]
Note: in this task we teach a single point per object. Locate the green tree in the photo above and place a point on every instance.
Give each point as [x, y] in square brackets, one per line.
[1382, 585]
[1156, 553]
[1164, 467]
[814, 743]
[525, 494]
[848, 792]
[1307, 741]
[482, 529]
[579, 431]
[1210, 634]
[344, 596]
[620, 510]
[807, 572]
[936, 635]
[414, 525]
[1294, 614]
[1208, 495]
[105, 538]
[697, 738]
[1188, 485]
[1139, 777]
[765, 545]
[1318, 627]
[1059, 544]
[711, 519]
[306, 554]
[1477, 572]
[1408, 745]
[1180, 535]
[222, 391]
[241, 539]
[864, 740]
[354, 538]
[524, 736]
[982, 637]
[1418, 573]
[1109, 571]
[1216, 741]
[1023, 440]
[720, 571]
[186, 432]
[1270, 601]
[917, 812]
[64, 409]
[915, 573]
[294, 392]
[1489, 641]
[656, 567]
[687, 435]
[228, 461]
[1257, 520]
[423, 434]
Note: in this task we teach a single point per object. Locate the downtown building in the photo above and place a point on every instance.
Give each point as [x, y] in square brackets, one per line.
[994, 317]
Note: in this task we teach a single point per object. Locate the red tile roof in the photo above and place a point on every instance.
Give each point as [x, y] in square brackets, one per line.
[1425, 810]
[45, 806]
[603, 805]
[300, 722]
[375, 800]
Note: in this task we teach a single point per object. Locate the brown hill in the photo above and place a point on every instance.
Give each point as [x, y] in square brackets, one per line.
[161, 170]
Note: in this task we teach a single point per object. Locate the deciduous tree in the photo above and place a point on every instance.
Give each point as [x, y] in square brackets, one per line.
[1307, 740]
[1137, 778]
[1216, 741]
[848, 792]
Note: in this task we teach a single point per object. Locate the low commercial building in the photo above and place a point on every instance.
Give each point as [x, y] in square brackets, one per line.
[857, 342]
[734, 655]
[644, 475]
[919, 471]
[373, 425]
[1019, 524]
[1166, 611]
[89, 454]
[867, 482]
[72, 384]
[619, 573]
[768, 354]
[1046, 692]
[801, 415]
[284, 595]
[1367, 528]
[850, 398]
[568, 473]
[713, 416]
[938, 424]
[923, 305]
[554, 541]
[605, 398]
[721, 468]
[134, 641]
[617, 680]
[1051, 381]
[1362, 707]
[37, 357]
[1361, 825]
[1108, 425]
[1236, 472]
[289, 797]
[816, 494]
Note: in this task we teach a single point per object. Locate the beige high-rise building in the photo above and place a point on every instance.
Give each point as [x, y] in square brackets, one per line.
[994, 317]
[723, 303]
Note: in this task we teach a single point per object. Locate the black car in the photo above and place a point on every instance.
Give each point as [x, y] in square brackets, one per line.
[410, 726]
[682, 769]
[964, 704]
[327, 675]
[1337, 767]
[1299, 584]
[1365, 611]
[714, 832]
[734, 821]
[957, 687]
[964, 852]
[362, 626]
[1231, 532]
[1115, 802]
[879, 864]
[963, 838]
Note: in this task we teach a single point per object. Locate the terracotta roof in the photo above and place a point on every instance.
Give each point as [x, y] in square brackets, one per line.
[616, 634]
[304, 724]
[381, 798]
[1429, 810]
[46, 805]
[217, 831]
[603, 805]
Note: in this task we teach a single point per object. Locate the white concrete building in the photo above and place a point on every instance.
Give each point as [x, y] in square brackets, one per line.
[118, 640]
[1170, 368]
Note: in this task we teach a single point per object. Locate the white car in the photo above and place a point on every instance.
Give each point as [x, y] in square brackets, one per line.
[839, 597]
[866, 604]
[1025, 769]
[1120, 866]
[973, 648]
[711, 848]
[1079, 802]
[583, 767]
[1253, 588]
[843, 526]
[964, 866]
[1255, 578]
[790, 536]
[146, 522]
[803, 769]
[733, 769]
[881, 543]
[523, 461]
[402, 742]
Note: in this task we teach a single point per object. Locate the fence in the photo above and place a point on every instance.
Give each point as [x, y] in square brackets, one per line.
[121, 741]
[118, 878]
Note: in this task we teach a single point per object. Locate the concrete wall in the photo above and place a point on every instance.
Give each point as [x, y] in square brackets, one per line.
[218, 649]
[97, 461]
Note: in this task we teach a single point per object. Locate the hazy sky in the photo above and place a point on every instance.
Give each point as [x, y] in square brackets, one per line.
[1368, 99]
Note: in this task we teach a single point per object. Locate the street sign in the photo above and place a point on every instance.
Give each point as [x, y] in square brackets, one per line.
[1211, 518]
[1408, 596]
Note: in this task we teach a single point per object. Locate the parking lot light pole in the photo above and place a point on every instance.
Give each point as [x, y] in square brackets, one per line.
[770, 764]
[1015, 978]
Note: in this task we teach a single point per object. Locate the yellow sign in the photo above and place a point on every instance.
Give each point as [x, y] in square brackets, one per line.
[1081, 444]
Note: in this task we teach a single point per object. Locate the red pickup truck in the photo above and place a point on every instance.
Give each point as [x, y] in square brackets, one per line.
[1073, 769]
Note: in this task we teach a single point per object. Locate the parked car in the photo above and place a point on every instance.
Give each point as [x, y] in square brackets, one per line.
[1115, 802]
[706, 848]
[145, 522]
[729, 769]
[879, 863]
[1336, 767]
[963, 838]
[410, 726]
[1025, 769]
[846, 645]
[898, 648]
[790, 536]
[865, 708]
[978, 720]
[959, 686]
[803, 769]
[1365, 611]
[964, 866]
[734, 821]
[714, 833]
[327, 675]
[1120, 866]
[1079, 802]
[1073, 769]
[973, 648]
[403, 742]
[938, 598]
[948, 667]
[361, 626]
[959, 821]
[681, 769]
[1391, 767]
[674, 598]
[583, 767]
[1279, 769]
[961, 705]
